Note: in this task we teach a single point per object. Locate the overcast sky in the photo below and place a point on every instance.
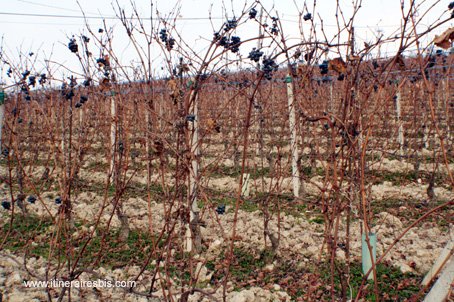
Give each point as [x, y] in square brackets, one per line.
[48, 36]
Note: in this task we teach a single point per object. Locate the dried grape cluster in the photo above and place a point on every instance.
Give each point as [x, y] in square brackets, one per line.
[307, 17]
[83, 99]
[375, 64]
[252, 13]
[168, 41]
[72, 45]
[324, 67]
[6, 204]
[42, 79]
[233, 44]
[31, 199]
[230, 24]
[220, 209]
[255, 54]
[32, 81]
[269, 66]
[274, 28]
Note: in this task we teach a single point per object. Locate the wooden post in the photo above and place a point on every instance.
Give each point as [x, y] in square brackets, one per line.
[293, 137]
[192, 229]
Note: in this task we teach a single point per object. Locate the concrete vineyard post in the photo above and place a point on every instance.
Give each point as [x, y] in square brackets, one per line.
[293, 139]
[2, 113]
[446, 108]
[245, 188]
[258, 109]
[367, 261]
[400, 131]
[113, 131]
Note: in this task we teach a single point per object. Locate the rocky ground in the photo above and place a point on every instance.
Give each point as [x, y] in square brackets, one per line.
[294, 272]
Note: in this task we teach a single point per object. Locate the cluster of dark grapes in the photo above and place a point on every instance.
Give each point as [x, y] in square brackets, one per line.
[83, 99]
[222, 41]
[32, 81]
[25, 74]
[85, 39]
[9, 72]
[269, 66]
[168, 41]
[67, 92]
[31, 199]
[274, 28]
[432, 61]
[101, 62]
[233, 44]
[72, 45]
[375, 64]
[230, 24]
[451, 7]
[440, 53]
[121, 147]
[87, 82]
[190, 118]
[5, 152]
[220, 209]
[252, 13]
[6, 205]
[72, 81]
[69, 95]
[307, 17]
[163, 35]
[42, 79]
[58, 200]
[255, 54]
[323, 67]
[216, 36]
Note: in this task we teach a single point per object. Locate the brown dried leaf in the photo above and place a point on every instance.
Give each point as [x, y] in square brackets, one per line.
[107, 59]
[338, 65]
[104, 84]
[445, 39]
[212, 125]
[400, 61]
[173, 86]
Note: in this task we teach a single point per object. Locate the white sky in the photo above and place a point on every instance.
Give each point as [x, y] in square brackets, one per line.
[48, 36]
